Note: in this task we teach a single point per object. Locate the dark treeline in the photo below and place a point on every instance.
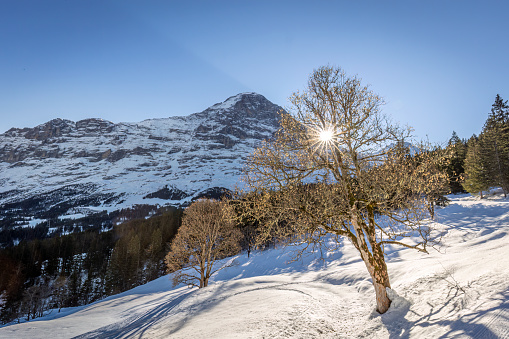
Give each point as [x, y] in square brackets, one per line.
[76, 269]
[14, 228]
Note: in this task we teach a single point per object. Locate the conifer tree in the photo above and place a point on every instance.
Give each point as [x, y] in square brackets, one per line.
[494, 144]
[455, 170]
[476, 175]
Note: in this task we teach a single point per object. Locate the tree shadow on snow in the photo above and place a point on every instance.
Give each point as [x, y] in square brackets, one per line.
[137, 325]
[490, 323]
[476, 216]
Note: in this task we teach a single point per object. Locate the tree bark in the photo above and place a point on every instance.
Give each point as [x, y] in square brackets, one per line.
[202, 277]
[380, 283]
[380, 278]
[375, 263]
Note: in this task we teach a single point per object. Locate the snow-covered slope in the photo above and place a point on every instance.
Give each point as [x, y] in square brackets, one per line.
[460, 292]
[65, 167]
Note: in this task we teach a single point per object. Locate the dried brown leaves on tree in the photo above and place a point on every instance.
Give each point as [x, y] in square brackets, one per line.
[338, 166]
[207, 234]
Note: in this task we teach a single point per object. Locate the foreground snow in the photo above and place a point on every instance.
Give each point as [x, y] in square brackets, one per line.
[461, 291]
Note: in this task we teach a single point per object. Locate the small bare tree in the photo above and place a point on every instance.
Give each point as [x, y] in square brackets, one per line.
[205, 236]
[337, 166]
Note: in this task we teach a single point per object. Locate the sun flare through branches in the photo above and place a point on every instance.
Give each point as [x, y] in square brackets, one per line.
[326, 135]
[324, 139]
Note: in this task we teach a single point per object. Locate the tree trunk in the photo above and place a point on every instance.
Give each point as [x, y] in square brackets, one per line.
[202, 278]
[382, 300]
[375, 263]
[431, 209]
[380, 278]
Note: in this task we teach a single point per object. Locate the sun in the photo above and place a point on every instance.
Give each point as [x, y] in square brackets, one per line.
[325, 135]
[324, 139]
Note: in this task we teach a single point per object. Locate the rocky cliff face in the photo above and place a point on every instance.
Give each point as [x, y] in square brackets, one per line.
[61, 167]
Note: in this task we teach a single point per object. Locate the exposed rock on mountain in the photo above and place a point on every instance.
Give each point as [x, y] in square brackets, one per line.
[167, 194]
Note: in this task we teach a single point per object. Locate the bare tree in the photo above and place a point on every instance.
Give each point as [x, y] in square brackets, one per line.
[35, 301]
[205, 236]
[60, 292]
[338, 167]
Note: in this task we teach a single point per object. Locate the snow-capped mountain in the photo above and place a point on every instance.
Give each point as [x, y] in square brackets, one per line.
[65, 169]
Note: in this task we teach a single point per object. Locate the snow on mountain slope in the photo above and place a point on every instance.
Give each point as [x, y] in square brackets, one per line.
[61, 166]
[460, 292]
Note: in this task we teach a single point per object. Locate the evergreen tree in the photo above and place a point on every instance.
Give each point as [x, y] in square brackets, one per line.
[494, 144]
[455, 170]
[476, 175]
[155, 264]
[116, 279]
[499, 114]
[134, 272]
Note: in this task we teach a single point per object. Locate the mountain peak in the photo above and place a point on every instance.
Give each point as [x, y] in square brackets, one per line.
[50, 129]
[241, 97]
[246, 105]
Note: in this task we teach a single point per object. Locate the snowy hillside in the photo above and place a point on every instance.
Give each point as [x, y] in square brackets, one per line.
[461, 291]
[69, 169]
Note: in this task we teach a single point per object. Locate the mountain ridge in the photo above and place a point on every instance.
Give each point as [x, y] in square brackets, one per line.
[94, 165]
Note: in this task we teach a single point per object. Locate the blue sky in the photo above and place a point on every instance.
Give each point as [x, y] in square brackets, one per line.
[438, 64]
